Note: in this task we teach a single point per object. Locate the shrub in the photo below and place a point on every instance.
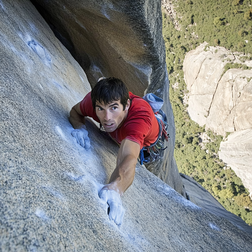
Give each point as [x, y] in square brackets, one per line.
[189, 2]
[248, 15]
[216, 42]
[218, 21]
[236, 2]
[242, 33]
[240, 45]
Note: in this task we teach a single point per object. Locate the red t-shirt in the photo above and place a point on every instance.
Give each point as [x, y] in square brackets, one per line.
[140, 126]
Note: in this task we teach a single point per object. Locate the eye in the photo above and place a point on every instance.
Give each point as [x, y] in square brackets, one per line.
[114, 108]
[99, 108]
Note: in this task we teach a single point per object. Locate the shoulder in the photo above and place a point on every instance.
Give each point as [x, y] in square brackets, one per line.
[140, 114]
[87, 98]
[139, 106]
[85, 103]
[86, 107]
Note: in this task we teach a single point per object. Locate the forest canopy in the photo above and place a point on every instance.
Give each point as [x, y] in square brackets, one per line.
[219, 23]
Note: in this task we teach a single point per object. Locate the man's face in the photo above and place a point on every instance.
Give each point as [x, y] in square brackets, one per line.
[111, 115]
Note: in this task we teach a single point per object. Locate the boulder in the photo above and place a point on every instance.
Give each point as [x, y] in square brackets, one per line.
[222, 101]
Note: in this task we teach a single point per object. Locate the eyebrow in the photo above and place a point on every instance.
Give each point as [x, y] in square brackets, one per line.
[113, 104]
[97, 106]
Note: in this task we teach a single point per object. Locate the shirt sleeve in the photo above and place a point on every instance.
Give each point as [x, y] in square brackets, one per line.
[86, 107]
[138, 130]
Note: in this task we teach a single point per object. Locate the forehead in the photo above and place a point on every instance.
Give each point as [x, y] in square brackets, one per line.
[112, 103]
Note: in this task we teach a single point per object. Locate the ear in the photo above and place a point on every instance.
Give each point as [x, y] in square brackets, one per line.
[127, 105]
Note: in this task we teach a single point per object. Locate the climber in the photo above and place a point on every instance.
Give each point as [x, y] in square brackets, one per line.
[131, 122]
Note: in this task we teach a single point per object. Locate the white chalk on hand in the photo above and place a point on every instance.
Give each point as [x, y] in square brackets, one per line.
[115, 208]
[81, 136]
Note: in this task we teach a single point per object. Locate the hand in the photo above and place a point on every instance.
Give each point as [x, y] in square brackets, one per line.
[81, 136]
[115, 209]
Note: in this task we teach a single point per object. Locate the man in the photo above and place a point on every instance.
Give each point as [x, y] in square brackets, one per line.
[130, 121]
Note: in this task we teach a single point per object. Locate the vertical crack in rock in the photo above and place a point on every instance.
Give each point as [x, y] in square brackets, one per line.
[214, 93]
[233, 56]
[196, 77]
[236, 101]
[200, 69]
[234, 124]
[233, 104]
[230, 110]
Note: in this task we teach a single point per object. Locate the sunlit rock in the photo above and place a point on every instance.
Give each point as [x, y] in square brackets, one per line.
[222, 101]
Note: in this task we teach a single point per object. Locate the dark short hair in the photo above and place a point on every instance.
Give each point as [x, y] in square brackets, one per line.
[110, 89]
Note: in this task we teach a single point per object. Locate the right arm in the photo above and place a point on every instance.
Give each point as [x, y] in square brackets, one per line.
[76, 118]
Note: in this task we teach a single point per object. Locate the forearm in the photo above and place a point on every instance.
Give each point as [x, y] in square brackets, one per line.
[123, 175]
[121, 179]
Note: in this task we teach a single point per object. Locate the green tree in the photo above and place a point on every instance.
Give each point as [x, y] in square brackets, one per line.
[218, 21]
[242, 33]
[216, 42]
[236, 2]
[248, 15]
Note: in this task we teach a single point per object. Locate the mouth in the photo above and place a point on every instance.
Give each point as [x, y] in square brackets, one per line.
[108, 125]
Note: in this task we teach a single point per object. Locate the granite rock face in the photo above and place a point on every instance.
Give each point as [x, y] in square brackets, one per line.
[121, 39]
[223, 102]
[49, 184]
[236, 151]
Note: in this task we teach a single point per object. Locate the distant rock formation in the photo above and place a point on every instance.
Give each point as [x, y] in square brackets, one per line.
[223, 102]
[236, 151]
[49, 184]
[121, 39]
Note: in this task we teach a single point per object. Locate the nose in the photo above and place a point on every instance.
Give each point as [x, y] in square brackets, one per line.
[107, 115]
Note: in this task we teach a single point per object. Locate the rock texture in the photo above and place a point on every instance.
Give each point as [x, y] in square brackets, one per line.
[223, 102]
[121, 39]
[236, 151]
[49, 184]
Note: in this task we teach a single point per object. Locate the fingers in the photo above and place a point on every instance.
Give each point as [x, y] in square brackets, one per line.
[113, 199]
[86, 140]
[116, 212]
[81, 141]
[87, 143]
[103, 195]
[81, 136]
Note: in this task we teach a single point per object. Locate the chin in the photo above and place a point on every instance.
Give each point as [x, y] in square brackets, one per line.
[110, 130]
